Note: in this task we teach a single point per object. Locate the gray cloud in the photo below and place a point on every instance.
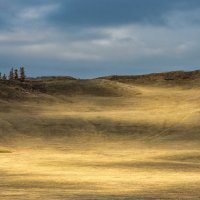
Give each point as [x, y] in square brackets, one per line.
[91, 37]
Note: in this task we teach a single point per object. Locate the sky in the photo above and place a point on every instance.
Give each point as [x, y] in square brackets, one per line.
[91, 38]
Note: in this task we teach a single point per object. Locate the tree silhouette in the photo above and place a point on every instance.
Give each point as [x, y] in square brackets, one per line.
[11, 74]
[16, 77]
[14, 74]
[22, 74]
[4, 77]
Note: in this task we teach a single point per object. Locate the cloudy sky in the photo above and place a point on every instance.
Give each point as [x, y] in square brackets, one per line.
[89, 38]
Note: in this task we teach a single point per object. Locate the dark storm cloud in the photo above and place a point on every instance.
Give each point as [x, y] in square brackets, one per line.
[98, 12]
[116, 12]
[110, 12]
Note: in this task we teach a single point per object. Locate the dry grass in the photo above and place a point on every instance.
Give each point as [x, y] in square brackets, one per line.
[139, 146]
[4, 151]
[109, 169]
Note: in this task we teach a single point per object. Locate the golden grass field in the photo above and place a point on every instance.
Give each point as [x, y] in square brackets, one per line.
[142, 142]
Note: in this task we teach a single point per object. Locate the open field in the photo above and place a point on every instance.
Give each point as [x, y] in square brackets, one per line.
[134, 141]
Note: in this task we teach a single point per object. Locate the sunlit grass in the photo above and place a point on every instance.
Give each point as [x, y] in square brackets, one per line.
[155, 156]
[104, 170]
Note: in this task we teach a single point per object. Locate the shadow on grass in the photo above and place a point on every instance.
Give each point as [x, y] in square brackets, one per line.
[5, 151]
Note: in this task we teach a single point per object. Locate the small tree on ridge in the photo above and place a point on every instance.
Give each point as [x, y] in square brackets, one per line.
[16, 77]
[4, 77]
[11, 74]
[22, 74]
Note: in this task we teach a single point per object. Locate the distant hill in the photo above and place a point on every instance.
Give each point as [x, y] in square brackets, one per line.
[168, 78]
[61, 86]
[108, 86]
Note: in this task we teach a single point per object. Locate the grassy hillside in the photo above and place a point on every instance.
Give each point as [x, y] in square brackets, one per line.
[65, 106]
[107, 138]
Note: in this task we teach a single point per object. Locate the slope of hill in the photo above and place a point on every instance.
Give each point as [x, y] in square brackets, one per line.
[108, 138]
[102, 106]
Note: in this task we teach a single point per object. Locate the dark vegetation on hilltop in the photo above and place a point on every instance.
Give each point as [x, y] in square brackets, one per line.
[174, 78]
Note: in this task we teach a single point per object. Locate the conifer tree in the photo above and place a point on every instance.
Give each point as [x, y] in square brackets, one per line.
[0, 76]
[16, 77]
[11, 74]
[4, 77]
[22, 74]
